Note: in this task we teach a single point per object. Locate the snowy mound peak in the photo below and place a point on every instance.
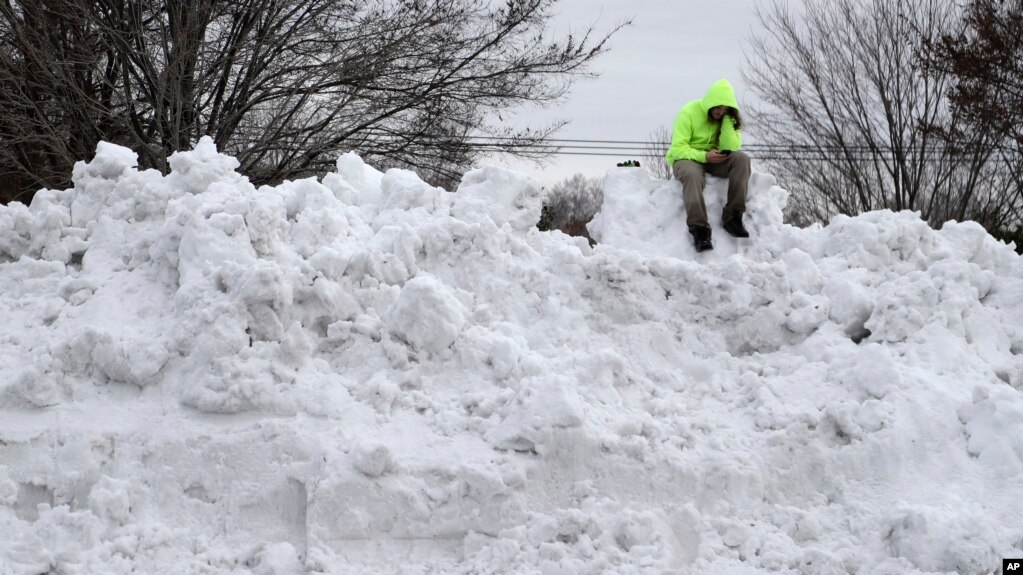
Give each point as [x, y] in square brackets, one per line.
[366, 374]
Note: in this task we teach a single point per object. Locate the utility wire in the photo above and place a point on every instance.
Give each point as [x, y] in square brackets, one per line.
[618, 148]
[762, 152]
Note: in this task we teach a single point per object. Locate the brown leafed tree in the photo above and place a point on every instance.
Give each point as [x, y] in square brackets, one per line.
[284, 85]
[984, 55]
[855, 114]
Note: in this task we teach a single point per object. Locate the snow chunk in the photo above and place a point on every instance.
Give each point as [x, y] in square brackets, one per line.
[426, 315]
[97, 353]
[880, 239]
[970, 241]
[36, 387]
[111, 186]
[109, 499]
[128, 361]
[364, 179]
[993, 424]
[807, 314]
[372, 459]
[542, 405]
[936, 540]
[403, 190]
[503, 195]
[803, 273]
[872, 372]
[111, 161]
[197, 170]
[903, 307]
[849, 302]
[596, 538]
[643, 213]
[279, 559]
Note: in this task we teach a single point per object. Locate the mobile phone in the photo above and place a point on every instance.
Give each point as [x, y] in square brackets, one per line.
[726, 152]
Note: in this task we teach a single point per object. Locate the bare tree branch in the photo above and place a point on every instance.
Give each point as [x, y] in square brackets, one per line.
[657, 148]
[285, 86]
[844, 80]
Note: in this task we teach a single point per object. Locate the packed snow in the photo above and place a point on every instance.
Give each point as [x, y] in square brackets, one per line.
[367, 374]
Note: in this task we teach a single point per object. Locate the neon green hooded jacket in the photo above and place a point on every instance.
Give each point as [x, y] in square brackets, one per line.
[695, 133]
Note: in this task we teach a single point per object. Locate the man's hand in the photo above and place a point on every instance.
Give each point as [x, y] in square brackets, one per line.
[715, 157]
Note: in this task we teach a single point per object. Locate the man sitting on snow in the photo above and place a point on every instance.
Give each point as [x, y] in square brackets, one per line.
[706, 139]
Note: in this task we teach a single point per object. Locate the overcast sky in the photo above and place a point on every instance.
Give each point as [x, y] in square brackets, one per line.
[672, 53]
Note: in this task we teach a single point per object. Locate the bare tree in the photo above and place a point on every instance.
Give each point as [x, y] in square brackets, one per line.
[656, 149]
[284, 85]
[570, 204]
[857, 117]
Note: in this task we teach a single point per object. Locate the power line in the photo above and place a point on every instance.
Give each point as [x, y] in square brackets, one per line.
[666, 143]
[767, 152]
[541, 146]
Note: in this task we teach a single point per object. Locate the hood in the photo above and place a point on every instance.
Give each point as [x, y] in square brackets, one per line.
[720, 94]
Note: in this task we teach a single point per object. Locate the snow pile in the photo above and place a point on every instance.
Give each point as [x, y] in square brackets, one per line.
[366, 374]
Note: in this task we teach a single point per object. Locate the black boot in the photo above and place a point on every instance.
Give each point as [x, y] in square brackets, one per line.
[701, 239]
[733, 225]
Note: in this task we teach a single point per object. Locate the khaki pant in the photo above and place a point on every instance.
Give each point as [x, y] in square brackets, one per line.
[736, 168]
